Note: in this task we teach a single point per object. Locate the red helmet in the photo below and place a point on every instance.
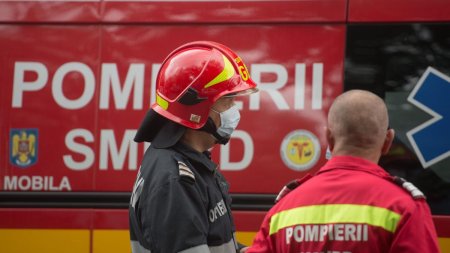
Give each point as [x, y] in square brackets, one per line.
[194, 76]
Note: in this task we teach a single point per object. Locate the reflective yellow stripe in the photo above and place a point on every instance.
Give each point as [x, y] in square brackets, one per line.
[162, 102]
[337, 213]
[444, 244]
[45, 240]
[246, 237]
[111, 240]
[78, 241]
[227, 73]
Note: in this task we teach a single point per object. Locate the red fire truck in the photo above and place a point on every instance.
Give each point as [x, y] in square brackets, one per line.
[77, 77]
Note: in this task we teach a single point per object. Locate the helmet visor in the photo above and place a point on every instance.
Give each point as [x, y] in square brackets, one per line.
[241, 93]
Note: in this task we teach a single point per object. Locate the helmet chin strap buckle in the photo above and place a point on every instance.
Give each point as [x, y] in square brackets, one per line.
[211, 128]
[220, 139]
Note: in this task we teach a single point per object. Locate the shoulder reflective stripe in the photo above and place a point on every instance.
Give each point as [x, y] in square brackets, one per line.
[227, 247]
[136, 247]
[336, 213]
[197, 249]
[235, 241]
[224, 248]
[185, 171]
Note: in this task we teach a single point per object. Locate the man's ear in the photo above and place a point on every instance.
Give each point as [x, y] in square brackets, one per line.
[330, 139]
[390, 134]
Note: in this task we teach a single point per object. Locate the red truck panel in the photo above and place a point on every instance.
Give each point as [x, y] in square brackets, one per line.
[139, 11]
[235, 11]
[61, 84]
[49, 11]
[398, 11]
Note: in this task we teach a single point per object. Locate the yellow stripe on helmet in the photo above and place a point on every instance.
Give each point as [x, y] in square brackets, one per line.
[162, 102]
[227, 73]
[336, 213]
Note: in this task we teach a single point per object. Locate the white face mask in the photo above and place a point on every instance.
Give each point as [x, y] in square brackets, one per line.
[328, 153]
[229, 120]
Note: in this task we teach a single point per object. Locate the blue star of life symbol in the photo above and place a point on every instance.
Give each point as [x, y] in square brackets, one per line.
[431, 139]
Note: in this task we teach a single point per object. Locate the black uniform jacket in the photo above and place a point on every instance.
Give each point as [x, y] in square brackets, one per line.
[180, 203]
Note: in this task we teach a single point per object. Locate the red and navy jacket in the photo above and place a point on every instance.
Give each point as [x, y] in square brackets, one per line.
[180, 203]
[351, 206]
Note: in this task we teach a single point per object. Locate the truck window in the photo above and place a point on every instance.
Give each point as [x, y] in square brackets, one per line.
[390, 60]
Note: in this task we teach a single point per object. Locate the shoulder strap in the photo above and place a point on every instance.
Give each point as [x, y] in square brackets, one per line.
[291, 186]
[184, 170]
[409, 187]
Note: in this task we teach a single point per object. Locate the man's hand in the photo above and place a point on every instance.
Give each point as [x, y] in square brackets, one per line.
[243, 250]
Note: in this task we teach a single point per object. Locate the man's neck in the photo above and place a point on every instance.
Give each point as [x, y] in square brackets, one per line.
[369, 155]
[198, 140]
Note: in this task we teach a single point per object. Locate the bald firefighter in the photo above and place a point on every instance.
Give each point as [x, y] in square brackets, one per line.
[351, 205]
[180, 200]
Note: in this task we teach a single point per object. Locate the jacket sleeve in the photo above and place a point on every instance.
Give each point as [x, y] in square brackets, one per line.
[262, 242]
[174, 218]
[416, 232]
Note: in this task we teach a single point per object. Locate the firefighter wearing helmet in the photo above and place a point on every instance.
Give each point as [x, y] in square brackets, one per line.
[180, 200]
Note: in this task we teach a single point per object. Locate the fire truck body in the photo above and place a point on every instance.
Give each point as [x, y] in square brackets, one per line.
[78, 76]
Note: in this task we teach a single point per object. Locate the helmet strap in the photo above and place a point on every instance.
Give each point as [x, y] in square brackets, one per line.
[210, 127]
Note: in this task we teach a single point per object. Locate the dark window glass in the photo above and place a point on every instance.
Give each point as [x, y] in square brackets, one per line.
[389, 60]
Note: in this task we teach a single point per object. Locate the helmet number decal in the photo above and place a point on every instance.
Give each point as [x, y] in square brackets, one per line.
[243, 71]
[195, 118]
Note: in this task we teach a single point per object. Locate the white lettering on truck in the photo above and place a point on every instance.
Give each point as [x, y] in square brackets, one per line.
[272, 88]
[35, 183]
[117, 95]
[110, 82]
[108, 149]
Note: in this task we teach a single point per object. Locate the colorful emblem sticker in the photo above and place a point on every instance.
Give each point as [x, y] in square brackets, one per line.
[23, 147]
[300, 150]
[243, 71]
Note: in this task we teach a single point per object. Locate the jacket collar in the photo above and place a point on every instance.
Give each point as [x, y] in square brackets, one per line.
[354, 163]
[199, 159]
